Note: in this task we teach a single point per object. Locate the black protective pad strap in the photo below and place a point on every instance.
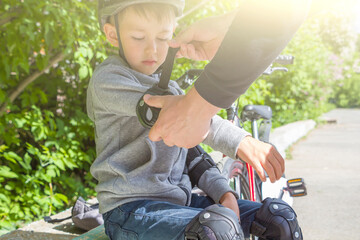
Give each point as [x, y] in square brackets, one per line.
[148, 115]
[201, 166]
[194, 153]
[167, 68]
[121, 49]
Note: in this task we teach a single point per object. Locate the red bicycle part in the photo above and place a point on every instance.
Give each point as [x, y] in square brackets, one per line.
[251, 182]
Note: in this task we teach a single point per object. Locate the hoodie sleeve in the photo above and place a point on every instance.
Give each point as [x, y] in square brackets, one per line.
[114, 90]
[225, 136]
[215, 185]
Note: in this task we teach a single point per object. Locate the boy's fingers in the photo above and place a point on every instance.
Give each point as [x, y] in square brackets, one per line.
[277, 168]
[270, 171]
[154, 101]
[261, 173]
[280, 159]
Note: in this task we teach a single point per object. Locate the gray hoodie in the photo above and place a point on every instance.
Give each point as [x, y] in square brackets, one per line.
[129, 166]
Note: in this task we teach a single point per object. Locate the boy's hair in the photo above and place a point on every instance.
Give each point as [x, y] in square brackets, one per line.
[162, 12]
[109, 8]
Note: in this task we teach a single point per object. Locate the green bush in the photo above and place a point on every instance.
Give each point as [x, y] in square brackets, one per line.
[347, 86]
[46, 138]
[44, 164]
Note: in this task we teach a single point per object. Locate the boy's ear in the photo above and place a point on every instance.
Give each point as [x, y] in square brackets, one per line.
[110, 33]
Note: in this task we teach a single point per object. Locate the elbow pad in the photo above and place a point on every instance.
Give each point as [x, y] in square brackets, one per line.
[198, 161]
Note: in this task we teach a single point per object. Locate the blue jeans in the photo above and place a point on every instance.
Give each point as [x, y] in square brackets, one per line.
[146, 219]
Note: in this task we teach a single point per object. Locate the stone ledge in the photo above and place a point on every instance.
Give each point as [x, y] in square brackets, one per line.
[40, 230]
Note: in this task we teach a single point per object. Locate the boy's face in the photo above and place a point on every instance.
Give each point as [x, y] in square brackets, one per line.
[144, 41]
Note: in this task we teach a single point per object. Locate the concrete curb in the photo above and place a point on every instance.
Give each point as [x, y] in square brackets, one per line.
[283, 137]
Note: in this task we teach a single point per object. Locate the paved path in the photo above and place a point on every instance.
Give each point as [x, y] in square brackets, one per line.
[329, 160]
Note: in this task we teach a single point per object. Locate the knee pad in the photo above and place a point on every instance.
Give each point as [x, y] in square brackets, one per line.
[213, 223]
[276, 220]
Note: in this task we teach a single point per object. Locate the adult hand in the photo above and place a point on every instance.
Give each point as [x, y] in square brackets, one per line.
[183, 121]
[228, 200]
[201, 40]
[262, 156]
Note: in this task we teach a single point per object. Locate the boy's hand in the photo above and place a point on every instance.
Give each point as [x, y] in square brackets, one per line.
[262, 156]
[228, 200]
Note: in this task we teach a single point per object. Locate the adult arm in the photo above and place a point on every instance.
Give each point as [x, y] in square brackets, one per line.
[258, 33]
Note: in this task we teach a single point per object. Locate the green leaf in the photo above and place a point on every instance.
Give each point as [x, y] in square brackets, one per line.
[59, 163]
[27, 161]
[61, 197]
[5, 199]
[12, 157]
[83, 72]
[51, 171]
[20, 122]
[3, 148]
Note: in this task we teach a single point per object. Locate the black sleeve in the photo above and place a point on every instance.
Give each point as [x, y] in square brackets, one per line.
[257, 35]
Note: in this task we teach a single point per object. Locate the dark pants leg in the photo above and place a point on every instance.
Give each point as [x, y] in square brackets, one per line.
[147, 219]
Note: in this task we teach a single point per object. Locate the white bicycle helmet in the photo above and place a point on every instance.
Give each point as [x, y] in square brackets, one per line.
[107, 8]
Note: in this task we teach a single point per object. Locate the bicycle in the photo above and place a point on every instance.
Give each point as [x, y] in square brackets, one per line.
[241, 176]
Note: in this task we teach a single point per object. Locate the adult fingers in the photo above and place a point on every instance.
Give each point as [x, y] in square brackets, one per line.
[191, 51]
[155, 133]
[173, 43]
[184, 36]
[168, 143]
[155, 101]
[184, 50]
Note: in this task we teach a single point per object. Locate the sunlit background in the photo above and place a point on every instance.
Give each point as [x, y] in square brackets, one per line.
[350, 8]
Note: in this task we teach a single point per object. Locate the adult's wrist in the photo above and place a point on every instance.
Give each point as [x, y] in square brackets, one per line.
[198, 106]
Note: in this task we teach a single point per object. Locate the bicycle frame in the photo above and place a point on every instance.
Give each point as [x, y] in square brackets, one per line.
[232, 112]
[259, 133]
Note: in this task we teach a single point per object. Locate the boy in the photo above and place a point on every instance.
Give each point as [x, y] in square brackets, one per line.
[144, 187]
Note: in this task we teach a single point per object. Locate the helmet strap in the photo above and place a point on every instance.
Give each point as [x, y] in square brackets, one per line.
[121, 50]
